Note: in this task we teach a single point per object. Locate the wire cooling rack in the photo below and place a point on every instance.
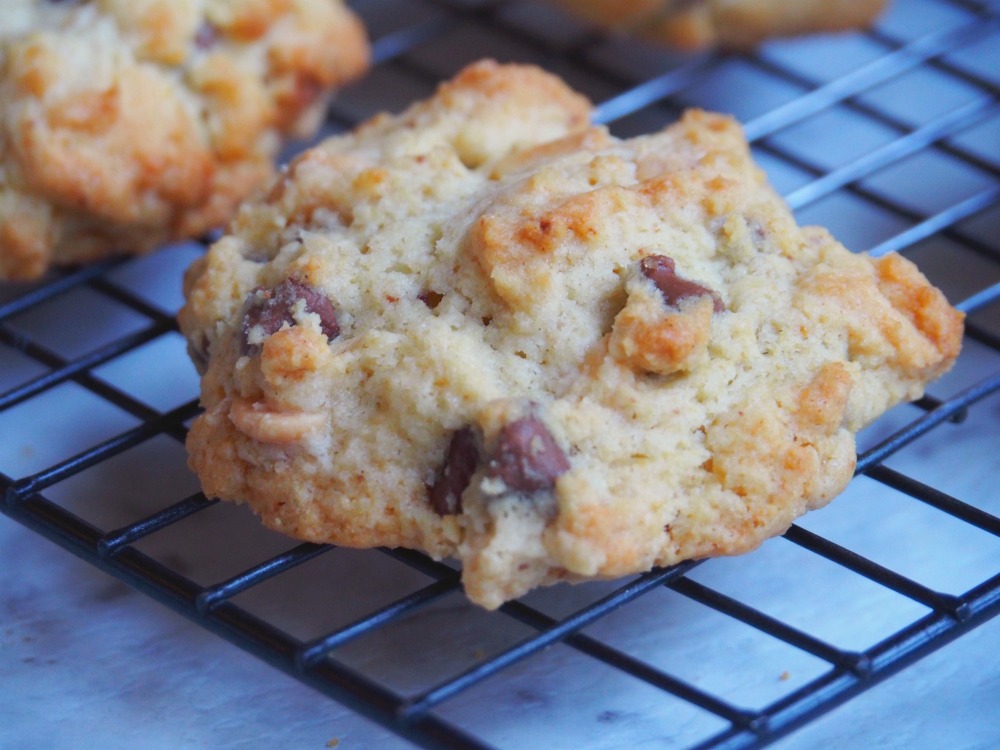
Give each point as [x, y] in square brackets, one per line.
[890, 137]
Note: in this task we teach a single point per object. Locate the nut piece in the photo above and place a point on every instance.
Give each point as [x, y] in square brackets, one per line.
[661, 271]
[268, 310]
[459, 465]
[527, 457]
[258, 421]
[648, 338]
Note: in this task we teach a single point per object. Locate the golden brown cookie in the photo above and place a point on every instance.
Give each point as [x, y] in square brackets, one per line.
[486, 329]
[734, 24]
[128, 123]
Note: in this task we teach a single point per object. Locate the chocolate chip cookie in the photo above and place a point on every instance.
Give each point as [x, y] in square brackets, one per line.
[734, 24]
[484, 328]
[128, 123]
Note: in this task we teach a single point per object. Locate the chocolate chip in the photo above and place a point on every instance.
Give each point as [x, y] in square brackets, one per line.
[459, 465]
[206, 36]
[430, 298]
[270, 309]
[661, 271]
[527, 457]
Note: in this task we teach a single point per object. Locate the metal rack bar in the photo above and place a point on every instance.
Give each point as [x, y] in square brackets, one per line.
[851, 661]
[320, 647]
[422, 703]
[936, 499]
[881, 662]
[917, 140]
[70, 369]
[213, 596]
[64, 281]
[878, 71]
[922, 426]
[34, 483]
[113, 542]
[881, 575]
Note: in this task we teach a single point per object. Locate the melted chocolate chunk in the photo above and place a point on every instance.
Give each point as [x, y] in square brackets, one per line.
[271, 309]
[661, 271]
[527, 457]
[459, 465]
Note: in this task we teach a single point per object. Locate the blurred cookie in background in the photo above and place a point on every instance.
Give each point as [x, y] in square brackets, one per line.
[732, 24]
[125, 124]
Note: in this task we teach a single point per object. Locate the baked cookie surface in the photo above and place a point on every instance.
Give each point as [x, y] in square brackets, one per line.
[734, 24]
[485, 329]
[128, 123]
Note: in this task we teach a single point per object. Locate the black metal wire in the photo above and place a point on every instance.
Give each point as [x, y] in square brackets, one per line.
[415, 716]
